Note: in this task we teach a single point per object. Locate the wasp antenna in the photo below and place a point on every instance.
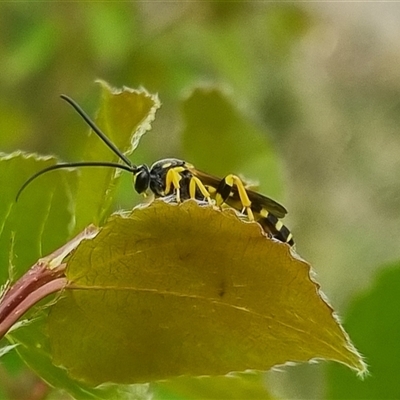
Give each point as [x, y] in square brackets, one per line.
[97, 130]
[131, 169]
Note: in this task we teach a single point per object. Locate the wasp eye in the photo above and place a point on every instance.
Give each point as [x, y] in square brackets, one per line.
[142, 179]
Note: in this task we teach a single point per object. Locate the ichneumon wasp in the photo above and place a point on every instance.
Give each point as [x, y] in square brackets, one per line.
[176, 177]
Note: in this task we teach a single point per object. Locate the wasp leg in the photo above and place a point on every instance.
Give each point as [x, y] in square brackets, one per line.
[173, 178]
[225, 188]
[197, 183]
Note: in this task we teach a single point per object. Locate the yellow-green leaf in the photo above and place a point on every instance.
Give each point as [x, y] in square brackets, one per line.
[39, 222]
[185, 289]
[247, 386]
[124, 116]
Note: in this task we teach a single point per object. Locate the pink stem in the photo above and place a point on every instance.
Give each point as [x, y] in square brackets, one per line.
[30, 300]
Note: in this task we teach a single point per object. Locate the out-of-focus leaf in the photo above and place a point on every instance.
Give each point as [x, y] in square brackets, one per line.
[40, 221]
[109, 45]
[12, 119]
[235, 386]
[374, 323]
[31, 54]
[176, 290]
[220, 139]
[124, 116]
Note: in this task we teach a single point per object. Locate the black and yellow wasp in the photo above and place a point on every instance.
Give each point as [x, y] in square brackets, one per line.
[176, 177]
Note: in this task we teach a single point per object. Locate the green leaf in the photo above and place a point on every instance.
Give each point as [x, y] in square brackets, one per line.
[235, 386]
[374, 322]
[220, 139]
[35, 351]
[30, 229]
[40, 221]
[174, 290]
[124, 116]
[6, 349]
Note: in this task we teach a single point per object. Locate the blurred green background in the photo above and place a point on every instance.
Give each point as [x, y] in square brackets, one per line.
[321, 80]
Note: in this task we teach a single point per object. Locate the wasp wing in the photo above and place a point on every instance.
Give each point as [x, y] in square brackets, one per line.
[258, 200]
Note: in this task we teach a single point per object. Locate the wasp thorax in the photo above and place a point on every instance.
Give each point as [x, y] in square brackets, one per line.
[141, 178]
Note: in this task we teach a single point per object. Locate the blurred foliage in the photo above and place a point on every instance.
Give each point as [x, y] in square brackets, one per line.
[373, 321]
[319, 80]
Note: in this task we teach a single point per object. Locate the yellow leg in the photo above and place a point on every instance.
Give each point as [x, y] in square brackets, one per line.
[229, 181]
[173, 177]
[197, 183]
